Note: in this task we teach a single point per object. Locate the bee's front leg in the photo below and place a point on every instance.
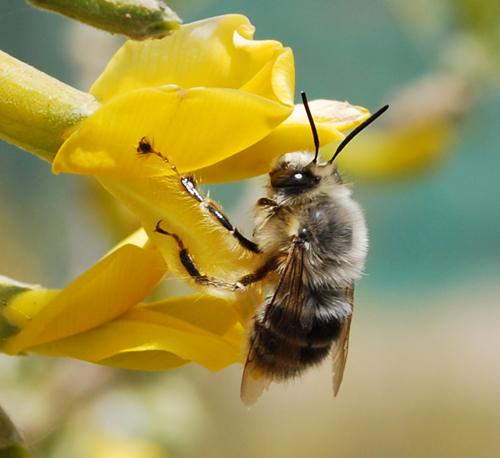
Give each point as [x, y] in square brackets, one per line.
[189, 184]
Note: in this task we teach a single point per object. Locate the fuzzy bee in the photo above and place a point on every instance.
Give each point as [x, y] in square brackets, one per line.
[312, 240]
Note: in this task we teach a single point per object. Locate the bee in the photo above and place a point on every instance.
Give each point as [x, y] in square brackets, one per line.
[312, 239]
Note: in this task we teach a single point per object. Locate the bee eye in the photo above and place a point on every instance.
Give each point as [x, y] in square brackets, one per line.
[294, 179]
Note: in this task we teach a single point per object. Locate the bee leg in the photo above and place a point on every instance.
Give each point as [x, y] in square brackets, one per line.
[189, 264]
[204, 280]
[189, 184]
[224, 221]
[265, 202]
[254, 277]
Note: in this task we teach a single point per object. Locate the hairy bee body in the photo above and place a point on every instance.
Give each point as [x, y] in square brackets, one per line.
[313, 236]
[311, 239]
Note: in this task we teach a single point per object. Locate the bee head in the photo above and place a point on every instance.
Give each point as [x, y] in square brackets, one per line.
[294, 174]
[297, 173]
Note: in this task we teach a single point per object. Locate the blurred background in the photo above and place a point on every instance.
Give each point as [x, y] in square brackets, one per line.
[423, 376]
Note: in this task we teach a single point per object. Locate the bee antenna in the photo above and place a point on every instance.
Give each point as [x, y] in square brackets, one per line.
[313, 126]
[358, 129]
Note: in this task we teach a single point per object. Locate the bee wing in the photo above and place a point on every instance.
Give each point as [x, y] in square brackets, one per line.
[252, 385]
[289, 294]
[341, 347]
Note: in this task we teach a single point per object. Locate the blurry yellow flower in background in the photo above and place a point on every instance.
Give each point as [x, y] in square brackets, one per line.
[423, 122]
[217, 104]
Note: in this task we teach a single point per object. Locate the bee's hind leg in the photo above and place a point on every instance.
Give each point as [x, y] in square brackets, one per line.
[204, 280]
[190, 266]
[189, 184]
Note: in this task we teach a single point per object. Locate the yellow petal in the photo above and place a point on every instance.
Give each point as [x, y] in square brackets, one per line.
[138, 238]
[215, 52]
[211, 313]
[108, 289]
[331, 118]
[151, 360]
[193, 128]
[21, 309]
[276, 80]
[206, 330]
[339, 115]
[259, 159]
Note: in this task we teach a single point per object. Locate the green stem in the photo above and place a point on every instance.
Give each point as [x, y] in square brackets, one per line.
[9, 290]
[15, 451]
[135, 19]
[38, 112]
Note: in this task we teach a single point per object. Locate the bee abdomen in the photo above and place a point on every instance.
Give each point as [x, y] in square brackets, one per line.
[287, 340]
[280, 359]
[318, 320]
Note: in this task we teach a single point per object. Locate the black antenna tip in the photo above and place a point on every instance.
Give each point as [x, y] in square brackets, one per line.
[313, 126]
[358, 129]
[381, 111]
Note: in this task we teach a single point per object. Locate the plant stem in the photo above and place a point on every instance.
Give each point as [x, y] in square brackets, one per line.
[136, 19]
[38, 112]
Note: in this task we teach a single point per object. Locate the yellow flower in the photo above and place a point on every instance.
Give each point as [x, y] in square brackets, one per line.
[99, 318]
[218, 105]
